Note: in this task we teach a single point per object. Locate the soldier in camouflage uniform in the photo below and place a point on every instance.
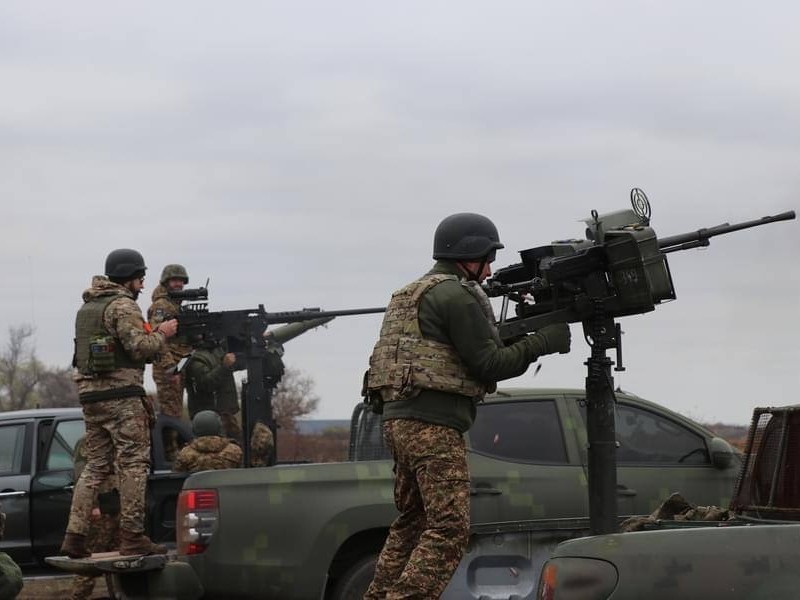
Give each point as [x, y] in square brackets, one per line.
[437, 355]
[103, 533]
[210, 385]
[262, 443]
[112, 344]
[209, 450]
[169, 386]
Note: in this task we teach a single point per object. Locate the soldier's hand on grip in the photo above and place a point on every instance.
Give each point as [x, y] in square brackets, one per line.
[557, 338]
[168, 328]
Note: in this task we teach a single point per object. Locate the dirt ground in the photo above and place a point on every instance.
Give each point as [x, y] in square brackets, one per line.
[52, 588]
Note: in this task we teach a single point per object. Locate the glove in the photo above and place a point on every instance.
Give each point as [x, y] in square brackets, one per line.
[551, 339]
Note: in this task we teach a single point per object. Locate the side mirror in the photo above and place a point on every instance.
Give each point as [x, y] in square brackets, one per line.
[721, 453]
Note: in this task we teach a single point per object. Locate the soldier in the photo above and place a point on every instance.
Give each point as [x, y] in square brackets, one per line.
[210, 385]
[262, 443]
[112, 343]
[169, 387]
[209, 450]
[437, 355]
[103, 533]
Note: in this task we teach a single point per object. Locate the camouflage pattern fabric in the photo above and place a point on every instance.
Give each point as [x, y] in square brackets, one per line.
[429, 537]
[103, 533]
[117, 430]
[169, 391]
[262, 444]
[117, 433]
[207, 453]
[123, 320]
[676, 508]
[403, 362]
[10, 573]
[230, 426]
[10, 577]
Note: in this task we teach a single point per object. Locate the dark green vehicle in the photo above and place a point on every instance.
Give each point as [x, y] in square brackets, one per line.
[36, 480]
[754, 556]
[314, 531]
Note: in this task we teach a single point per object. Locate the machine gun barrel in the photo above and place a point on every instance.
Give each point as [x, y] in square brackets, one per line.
[701, 237]
[307, 314]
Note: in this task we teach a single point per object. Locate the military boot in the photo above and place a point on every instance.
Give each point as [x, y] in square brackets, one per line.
[131, 543]
[74, 546]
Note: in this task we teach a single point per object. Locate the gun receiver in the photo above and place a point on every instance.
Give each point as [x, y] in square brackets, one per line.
[245, 333]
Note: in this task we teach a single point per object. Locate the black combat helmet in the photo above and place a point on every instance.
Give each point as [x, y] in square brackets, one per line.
[206, 422]
[124, 264]
[465, 236]
[174, 272]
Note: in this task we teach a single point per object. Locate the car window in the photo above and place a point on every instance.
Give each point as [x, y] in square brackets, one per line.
[646, 437]
[12, 445]
[528, 431]
[62, 447]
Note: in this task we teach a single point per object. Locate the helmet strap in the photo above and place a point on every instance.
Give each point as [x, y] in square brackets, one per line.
[472, 275]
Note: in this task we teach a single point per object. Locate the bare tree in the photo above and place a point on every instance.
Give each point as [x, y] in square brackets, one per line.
[57, 389]
[19, 370]
[293, 397]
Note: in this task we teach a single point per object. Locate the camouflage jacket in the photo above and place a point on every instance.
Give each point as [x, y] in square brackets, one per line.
[449, 313]
[207, 453]
[123, 320]
[163, 309]
[262, 442]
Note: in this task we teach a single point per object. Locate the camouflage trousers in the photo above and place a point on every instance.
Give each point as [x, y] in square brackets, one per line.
[431, 491]
[103, 536]
[169, 393]
[117, 439]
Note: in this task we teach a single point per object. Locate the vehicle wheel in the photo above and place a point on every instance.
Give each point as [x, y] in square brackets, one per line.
[355, 581]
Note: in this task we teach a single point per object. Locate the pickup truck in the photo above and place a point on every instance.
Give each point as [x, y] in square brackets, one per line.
[754, 555]
[314, 530]
[36, 480]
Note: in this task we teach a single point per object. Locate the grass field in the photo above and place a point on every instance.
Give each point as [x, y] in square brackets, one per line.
[52, 588]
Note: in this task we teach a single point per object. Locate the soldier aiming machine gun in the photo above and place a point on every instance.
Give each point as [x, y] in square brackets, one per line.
[244, 332]
[620, 269]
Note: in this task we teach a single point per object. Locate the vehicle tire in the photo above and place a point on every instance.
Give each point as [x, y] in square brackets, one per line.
[355, 581]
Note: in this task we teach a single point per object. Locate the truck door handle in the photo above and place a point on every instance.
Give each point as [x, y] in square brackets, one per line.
[484, 489]
[623, 490]
[13, 494]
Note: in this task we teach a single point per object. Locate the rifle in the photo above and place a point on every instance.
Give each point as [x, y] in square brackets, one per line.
[620, 269]
[244, 332]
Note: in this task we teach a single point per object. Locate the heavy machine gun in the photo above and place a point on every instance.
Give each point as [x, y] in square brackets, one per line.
[620, 269]
[258, 349]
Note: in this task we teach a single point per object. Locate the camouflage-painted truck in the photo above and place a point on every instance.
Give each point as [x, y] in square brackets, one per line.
[753, 556]
[314, 530]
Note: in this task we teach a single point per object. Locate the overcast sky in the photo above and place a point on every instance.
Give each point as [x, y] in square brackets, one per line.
[302, 153]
